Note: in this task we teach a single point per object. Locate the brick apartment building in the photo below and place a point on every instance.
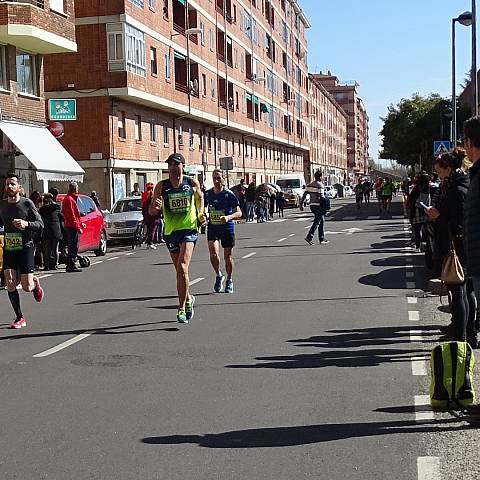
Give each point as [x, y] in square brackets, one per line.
[208, 78]
[328, 136]
[346, 94]
[29, 30]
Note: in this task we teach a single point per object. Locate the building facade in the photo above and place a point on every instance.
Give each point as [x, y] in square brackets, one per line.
[346, 94]
[29, 31]
[207, 78]
[328, 136]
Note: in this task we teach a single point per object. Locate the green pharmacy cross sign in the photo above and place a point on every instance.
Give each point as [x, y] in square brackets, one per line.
[62, 109]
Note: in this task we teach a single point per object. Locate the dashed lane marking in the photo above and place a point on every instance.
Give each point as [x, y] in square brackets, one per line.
[415, 336]
[428, 468]
[414, 315]
[412, 299]
[197, 280]
[131, 253]
[411, 285]
[422, 414]
[279, 220]
[409, 274]
[45, 276]
[96, 263]
[249, 255]
[281, 239]
[302, 220]
[112, 258]
[419, 366]
[291, 235]
[63, 345]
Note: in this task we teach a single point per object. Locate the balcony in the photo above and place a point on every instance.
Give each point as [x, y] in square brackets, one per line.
[29, 26]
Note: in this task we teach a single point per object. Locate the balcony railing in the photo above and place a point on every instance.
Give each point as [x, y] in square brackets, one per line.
[181, 87]
[221, 57]
[179, 28]
[35, 3]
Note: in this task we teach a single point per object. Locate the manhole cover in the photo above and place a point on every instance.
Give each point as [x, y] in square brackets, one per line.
[110, 361]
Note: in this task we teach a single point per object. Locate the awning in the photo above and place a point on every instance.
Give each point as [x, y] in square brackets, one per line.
[44, 152]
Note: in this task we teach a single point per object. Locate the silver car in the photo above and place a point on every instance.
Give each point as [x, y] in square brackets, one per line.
[123, 219]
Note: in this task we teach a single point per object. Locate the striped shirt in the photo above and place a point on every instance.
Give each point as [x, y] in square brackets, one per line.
[316, 191]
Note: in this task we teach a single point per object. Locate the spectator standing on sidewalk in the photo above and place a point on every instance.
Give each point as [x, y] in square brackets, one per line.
[73, 226]
[149, 220]
[448, 216]
[250, 201]
[418, 217]
[95, 199]
[52, 232]
[472, 206]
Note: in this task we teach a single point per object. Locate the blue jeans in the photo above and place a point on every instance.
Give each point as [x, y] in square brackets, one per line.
[318, 222]
[250, 211]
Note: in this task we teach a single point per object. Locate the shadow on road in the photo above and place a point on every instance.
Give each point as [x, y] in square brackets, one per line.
[391, 278]
[289, 436]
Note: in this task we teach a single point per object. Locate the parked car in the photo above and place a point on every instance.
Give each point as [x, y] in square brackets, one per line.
[331, 191]
[123, 219]
[348, 191]
[94, 236]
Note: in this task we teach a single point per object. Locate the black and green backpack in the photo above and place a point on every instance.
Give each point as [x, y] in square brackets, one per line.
[452, 367]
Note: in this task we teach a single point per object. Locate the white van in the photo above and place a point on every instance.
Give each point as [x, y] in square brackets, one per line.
[293, 186]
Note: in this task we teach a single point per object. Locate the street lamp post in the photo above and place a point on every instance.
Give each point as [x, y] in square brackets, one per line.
[466, 19]
[474, 58]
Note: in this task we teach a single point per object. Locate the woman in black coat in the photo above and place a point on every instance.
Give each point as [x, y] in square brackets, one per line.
[52, 233]
[448, 217]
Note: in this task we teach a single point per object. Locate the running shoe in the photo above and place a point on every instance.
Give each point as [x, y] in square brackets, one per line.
[325, 241]
[181, 316]
[189, 307]
[19, 323]
[229, 286]
[38, 292]
[219, 283]
[309, 240]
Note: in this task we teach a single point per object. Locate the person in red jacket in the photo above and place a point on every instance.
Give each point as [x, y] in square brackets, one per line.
[73, 226]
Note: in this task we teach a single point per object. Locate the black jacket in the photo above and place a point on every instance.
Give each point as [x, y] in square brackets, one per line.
[472, 221]
[52, 219]
[449, 225]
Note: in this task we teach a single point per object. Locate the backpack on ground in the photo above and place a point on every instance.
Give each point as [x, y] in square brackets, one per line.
[451, 385]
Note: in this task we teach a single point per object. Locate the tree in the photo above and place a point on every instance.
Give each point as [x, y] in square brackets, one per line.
[411, 127]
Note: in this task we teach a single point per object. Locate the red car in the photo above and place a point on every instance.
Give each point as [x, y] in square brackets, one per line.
[94, 237]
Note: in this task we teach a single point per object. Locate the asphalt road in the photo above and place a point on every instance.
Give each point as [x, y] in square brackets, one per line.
[304, 372]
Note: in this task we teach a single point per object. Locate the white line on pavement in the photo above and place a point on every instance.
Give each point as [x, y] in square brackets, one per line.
[291, 235]
[249, 255]
[408, 266]
[113, 258]
[412, 299]
[131, 253]
[413, 315]
[421, 415]
[282, 239]
[279, 220]
[96, 263]
[302, 220]
[63, 345]
[45, 276]
[415, 336]
[428, 468]
[409, 259]
[411, 285]
[199, 279]
[419, 366]
[410, 274]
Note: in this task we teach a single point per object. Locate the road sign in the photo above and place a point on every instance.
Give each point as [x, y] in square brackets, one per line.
[56, 129]
[441, 146]
[226, 163]
[62, 109]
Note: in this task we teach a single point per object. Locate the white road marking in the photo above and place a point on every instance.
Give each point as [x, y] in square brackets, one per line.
[96, 263]
[412, 299]
[61, 346]
[411, 285]
[409, 266]
[410, 274]
[291, 235]
[428, 468]
[131, 253]
[279, 220]
[45, 276]
[408, 254]
[302, 220]
[420, 415]
[419, 366]
[199, 279]
[281, 239]
[249, 255]
[415, 336]
[113, 258]
[413, 315]
[409, 259]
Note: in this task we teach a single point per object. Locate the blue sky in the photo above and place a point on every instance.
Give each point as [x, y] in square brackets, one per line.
[392, 48]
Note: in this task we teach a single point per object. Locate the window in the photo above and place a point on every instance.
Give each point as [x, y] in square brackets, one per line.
[139, 3]
[219, 145]
[209, 142]
[27, 81]
[212, 87]
[200, 140]
[115, 47]
[122, 133]
[153, 131]
[191, 139]
[135, 49]
[138, 128]
[165, 134]
[167, 66]
[153, 61]
[180, 135]
[212, 39]
[165, 8]
[3, 68]
[204, 85]
[57, 6]
[152, 4]
[202, 34]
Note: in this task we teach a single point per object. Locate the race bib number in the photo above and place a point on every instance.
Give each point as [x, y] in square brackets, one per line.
[13, 242]
[215, 217]
[179, 202]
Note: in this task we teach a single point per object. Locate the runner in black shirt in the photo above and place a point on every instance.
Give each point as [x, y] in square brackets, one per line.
[20, 219]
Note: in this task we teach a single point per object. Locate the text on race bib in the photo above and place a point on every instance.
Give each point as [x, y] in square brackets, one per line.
[13, 242]
[179, 202]
[215, 217]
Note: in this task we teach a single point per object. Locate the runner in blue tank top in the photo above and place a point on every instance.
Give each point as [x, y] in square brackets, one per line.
[223, 209]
